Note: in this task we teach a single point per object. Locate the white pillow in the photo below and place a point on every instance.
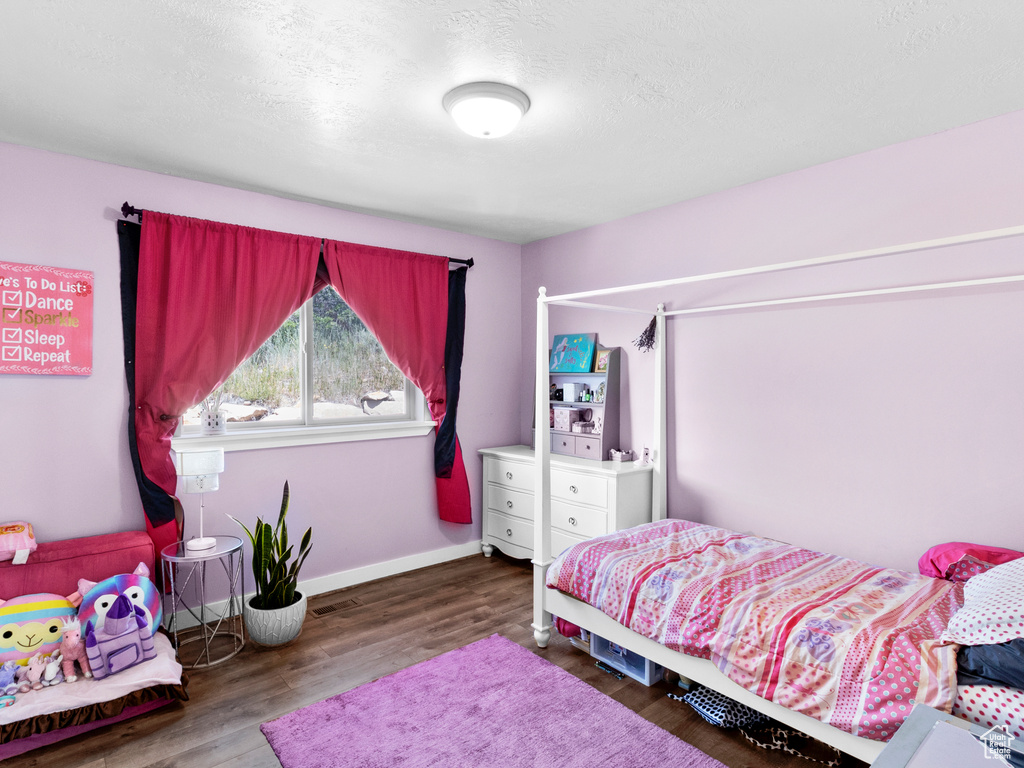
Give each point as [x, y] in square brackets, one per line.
[993, 609]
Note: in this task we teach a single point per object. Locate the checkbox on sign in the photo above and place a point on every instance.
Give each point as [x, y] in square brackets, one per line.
[12, 315]
[12, 335]
[12, 298]
[12, 354]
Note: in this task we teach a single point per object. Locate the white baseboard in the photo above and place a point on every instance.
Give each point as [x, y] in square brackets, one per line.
[344, 579]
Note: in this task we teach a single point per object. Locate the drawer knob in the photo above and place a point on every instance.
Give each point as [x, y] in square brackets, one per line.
[572, 521]
[508, 532]
[509, 502]
[508, 475]
[574, 489]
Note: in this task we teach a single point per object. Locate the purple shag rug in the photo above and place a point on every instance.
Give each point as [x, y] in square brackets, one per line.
[491, 703]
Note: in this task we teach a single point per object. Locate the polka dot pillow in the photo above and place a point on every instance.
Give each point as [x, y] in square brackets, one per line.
[966, 568]
[989, 706]
[993, 609]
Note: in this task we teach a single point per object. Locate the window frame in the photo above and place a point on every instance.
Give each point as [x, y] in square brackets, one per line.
[245, 437]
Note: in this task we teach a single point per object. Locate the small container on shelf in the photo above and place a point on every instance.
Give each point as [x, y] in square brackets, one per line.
[565, 418]
[572, 391]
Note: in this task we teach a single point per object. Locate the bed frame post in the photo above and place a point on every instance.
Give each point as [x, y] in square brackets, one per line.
[659, 491]
[542, 482]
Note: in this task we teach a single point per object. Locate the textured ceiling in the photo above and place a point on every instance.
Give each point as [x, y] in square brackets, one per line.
[635, 105]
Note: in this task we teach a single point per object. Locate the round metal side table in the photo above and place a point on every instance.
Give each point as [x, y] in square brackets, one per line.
[192, 575]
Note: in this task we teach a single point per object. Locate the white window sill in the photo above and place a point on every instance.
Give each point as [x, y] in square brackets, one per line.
[281, 437]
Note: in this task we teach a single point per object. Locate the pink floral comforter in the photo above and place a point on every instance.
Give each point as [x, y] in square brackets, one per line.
[841, 641]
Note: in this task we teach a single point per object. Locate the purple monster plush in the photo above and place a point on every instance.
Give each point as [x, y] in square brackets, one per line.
[123, 639]
[97, 598]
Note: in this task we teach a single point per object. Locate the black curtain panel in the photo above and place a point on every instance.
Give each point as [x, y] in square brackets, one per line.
[444, 444]
[160, 508]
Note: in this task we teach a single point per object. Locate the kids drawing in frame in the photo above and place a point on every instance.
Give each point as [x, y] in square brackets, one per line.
[601, 360]
[573, 353]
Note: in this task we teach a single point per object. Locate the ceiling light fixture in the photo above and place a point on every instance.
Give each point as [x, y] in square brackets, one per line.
[486, 110]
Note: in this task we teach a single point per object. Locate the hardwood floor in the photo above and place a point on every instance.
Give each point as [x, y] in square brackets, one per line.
[369, 631]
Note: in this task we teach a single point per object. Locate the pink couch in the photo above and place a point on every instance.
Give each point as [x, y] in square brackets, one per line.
[56, 567]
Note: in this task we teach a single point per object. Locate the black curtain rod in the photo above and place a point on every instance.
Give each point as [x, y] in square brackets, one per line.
[130, 210]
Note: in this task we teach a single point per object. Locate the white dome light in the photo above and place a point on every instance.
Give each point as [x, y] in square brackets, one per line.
[486, 110]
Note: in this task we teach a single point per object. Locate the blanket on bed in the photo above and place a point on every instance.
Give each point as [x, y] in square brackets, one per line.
[844, 642]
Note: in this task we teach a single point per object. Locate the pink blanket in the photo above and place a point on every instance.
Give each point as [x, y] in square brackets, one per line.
[847, 643]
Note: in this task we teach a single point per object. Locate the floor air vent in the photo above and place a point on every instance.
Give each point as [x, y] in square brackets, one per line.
[323, 610]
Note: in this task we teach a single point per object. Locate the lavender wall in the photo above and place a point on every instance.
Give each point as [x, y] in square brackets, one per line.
[870, 428]
[65, 464]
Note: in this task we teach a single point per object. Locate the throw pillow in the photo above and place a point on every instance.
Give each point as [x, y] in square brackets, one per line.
[993, 610]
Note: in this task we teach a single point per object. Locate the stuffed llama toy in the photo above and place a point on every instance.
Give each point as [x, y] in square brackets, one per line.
[72, 649]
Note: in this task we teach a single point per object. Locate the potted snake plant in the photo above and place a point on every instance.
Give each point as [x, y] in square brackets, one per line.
[274, 615]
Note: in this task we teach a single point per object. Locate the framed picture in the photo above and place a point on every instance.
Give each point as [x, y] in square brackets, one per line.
[573, 353]
[601, 360]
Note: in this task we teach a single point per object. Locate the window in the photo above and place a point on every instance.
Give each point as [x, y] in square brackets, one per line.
[321, 377]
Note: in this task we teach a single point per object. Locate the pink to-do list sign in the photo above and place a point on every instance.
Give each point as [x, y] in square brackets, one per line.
[46, 325]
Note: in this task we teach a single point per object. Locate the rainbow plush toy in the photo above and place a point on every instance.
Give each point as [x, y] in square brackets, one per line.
[32, 624]
[98, 598]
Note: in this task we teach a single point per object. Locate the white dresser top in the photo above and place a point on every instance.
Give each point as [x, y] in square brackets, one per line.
[525, 453]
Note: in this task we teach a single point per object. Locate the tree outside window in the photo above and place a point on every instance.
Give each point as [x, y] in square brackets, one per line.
[345, 377]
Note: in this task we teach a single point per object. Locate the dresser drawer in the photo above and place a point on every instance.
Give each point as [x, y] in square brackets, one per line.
[581, 521]
[581, 489]
[511, 529]
[588, 447]
[511, 473]
[561, 541]
[510, 502]
[564, 444]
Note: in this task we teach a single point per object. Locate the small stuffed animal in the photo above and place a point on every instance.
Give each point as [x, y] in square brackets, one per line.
[7, 672]
[72, 649]
[31, 674]
[52, 674]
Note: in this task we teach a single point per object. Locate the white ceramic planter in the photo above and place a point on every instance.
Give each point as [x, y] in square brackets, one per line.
[277, 626]
[213, 422]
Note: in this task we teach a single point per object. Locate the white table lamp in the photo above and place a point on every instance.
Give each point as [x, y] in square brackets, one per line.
[200, 471]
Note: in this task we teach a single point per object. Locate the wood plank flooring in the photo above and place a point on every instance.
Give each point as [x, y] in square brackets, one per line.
[376, 628]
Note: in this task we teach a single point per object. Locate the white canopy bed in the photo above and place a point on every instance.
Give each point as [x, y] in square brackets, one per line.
[548, 601]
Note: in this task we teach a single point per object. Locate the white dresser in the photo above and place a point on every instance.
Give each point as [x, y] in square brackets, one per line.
[588, 498]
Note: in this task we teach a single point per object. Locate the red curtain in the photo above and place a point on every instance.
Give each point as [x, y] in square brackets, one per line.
[402, 297]
[209, 294]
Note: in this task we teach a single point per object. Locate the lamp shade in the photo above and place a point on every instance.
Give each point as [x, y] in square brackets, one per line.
[486, 110]
[195, 463]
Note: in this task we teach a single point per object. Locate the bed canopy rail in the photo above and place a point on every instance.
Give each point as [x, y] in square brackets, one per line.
[849, 295]
[818, 261]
